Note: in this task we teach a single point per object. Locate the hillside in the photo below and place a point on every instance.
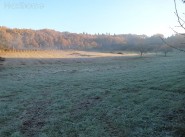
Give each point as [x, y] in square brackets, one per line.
[46, 39]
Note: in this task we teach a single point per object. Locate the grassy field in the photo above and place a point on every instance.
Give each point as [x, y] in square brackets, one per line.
[53, 54]
[93, 97]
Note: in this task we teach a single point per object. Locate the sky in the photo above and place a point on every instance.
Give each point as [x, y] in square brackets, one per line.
[147, 17]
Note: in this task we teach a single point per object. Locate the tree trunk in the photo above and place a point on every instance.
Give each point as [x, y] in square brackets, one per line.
[141, 54]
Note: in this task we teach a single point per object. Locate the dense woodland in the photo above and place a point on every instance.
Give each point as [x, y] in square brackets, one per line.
[27, 39]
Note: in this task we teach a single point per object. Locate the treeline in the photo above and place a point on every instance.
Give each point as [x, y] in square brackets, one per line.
[26, 39]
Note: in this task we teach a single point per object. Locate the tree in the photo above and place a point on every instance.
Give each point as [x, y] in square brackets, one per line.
[181, 23]
[142, 49]
[141, 46]
[180, 20]
[165, 49]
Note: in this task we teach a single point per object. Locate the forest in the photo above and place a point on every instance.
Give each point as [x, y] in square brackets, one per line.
[46, 39]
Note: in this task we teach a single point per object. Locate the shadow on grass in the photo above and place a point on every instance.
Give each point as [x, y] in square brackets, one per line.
[44, 61]
[1, 62]
[2, 59]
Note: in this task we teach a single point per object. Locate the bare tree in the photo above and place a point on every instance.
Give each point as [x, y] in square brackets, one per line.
[180, 19]
[169, 45]
[142, 49]
[181, 23]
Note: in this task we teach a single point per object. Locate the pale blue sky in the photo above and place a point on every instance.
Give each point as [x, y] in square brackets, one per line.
[92, 16]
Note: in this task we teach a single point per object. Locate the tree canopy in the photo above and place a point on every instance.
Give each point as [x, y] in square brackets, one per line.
[26, 39]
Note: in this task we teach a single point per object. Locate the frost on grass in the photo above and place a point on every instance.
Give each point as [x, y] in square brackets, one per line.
[116, 96]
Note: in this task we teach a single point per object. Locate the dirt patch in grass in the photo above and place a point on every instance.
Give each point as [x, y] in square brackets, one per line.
[85, 104]
[33, 119]
[89, 102]
[173, 122]
[177, 116]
